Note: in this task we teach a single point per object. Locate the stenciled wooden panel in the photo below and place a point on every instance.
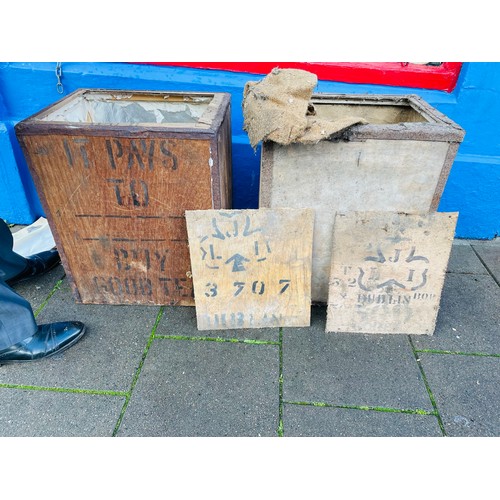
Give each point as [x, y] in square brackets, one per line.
[251, 268]
[387, 271]
[116, 206]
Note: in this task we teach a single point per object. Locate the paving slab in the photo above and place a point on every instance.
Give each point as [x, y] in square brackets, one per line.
[463, 259]
[36, 290]
[465, 389]
[468, 318]
[313, 421]
[181, 321]
[205, 388]
[106, 358]
[350, 369]
[34, 413]
[490, 255]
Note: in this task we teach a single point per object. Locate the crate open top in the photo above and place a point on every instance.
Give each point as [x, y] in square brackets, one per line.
[388, 117]
[160, 111]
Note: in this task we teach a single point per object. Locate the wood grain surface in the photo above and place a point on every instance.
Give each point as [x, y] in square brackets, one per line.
[251, 268]
[387, 271]
[116, 207]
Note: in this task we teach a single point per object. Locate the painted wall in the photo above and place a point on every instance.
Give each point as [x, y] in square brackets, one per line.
[472, 187]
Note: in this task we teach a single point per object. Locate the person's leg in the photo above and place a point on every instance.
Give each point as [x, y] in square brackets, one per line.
[11, 263]
[21, 339]
[17, 321]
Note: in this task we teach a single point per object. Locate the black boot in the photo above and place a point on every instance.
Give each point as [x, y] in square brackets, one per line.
[48, 340]
[36, 265]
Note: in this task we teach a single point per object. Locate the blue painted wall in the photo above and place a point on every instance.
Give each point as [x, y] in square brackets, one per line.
[472, 187]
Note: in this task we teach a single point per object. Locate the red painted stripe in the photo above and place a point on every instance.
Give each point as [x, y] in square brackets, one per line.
[442, 77]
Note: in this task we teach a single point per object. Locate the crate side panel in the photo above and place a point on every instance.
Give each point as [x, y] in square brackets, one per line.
[117, 208]
[374, 175]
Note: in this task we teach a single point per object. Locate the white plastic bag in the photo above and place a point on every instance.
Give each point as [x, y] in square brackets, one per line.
[34, 238]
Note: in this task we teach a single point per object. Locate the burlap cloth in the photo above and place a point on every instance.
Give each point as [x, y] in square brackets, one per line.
[278, 109]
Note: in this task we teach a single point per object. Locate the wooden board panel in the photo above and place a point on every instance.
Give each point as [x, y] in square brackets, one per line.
[116, 207]
[387, 271]
[251, 268]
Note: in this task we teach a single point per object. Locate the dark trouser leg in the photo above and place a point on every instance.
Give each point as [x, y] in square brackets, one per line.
[11, 263]
[17, 321]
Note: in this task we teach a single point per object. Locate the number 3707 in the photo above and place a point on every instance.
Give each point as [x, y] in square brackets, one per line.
[256, 287]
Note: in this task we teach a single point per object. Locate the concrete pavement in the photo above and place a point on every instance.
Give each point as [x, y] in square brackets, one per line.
[148, 371]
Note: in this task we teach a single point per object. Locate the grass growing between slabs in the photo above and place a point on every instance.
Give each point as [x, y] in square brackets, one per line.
[138, 371]
[382, 409]
[55, 288]
[217, 339]
[457, 353]
[94, 392]
[428, 388]
[280, 429]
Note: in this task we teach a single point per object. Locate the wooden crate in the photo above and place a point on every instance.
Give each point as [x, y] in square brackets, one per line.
[398, 162]
[115, 171]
